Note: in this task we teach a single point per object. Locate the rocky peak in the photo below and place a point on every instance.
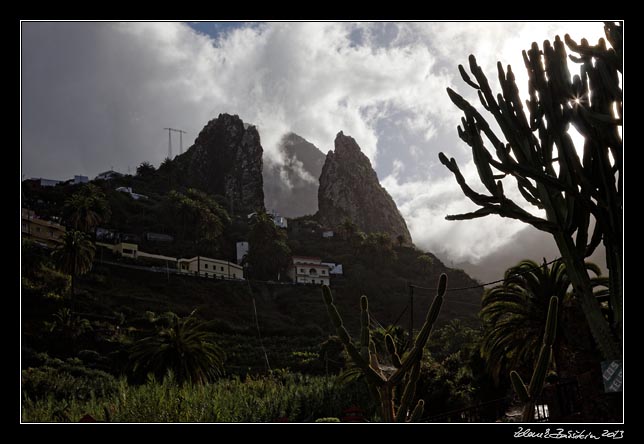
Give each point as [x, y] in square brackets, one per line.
[226, 160]
[291, 188]
[350, 189]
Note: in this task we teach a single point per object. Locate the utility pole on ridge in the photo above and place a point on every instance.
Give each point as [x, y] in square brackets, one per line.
[181, 133]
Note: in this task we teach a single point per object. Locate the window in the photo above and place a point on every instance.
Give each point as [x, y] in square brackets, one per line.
[222, 268]
[51, 233]
[301, 270]
[206, 274]
[24, 226]
[127, 251]
[323, 271]
[313, 271]
[206, 266]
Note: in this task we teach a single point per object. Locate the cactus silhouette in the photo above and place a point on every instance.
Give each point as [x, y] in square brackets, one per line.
[573, 184]
[407, 368]
[528, 394]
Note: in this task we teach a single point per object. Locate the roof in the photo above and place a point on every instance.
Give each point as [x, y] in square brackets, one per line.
[307, 257]
[192, 259]
[311, 265]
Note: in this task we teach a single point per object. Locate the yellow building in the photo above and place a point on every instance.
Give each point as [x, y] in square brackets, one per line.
[210, 268]
[47, 233]
[123, 248]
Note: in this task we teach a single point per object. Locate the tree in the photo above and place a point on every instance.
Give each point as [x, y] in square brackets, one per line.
[378, 247]
[170, 172]
[514, 314]
[182, 345]
[68, 326]
[400, 239]
[74, 257]
[539, 154]
[197, 215]
[268, 251]
[146, 169]
[86, 209]
[348, 229]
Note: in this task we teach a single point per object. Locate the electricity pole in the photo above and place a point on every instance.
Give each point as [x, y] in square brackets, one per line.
[181, 133]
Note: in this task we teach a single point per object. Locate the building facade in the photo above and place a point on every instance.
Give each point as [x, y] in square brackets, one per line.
[108, 175]
[210, 268]
[242, 251]
[49, 182]
[46, 233]
[133, 195]
[308, 270]
[125, 249]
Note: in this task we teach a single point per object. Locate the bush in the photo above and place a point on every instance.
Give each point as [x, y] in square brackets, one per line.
[299, 398]
[64, 380]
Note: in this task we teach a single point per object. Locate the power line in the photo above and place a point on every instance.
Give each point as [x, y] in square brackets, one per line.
[259, 334]
[398, 318]
[489, 283]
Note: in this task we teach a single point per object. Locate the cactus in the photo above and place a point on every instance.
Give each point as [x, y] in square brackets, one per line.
[570, 187]
[529, 394]
[407, 368]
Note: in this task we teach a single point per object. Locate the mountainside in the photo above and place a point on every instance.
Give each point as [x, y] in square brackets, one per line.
[226, 160]
[350, 189]
[291, 189]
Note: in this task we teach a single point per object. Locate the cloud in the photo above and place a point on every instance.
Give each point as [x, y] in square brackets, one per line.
[101, 93]
[96, 95]
[424, 205]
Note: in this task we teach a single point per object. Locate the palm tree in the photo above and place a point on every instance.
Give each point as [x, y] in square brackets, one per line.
[68, 327]
[86, 209]
[514, 314]
[182, 345]
[74, 256]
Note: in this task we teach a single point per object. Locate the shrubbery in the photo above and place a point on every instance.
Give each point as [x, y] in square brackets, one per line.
[300, 398]
[65, 380]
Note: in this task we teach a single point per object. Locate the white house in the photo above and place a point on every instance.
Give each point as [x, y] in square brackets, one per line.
[210, 268]
[80, 179]
[308, 270]
[278, 220]
[49, 182]
[133, 195]
[242, 251]
[107, 175]
[327, 234]
[334, 268]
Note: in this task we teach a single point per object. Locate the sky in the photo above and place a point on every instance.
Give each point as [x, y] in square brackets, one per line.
[97, 95]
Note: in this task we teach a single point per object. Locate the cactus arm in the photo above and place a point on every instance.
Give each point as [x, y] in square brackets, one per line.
[364, 327]
[529, 395]
[408, 368]
[344, 336]
[519, 387]
[416, 352]
[418, 411]
[408, 394]
[391, 348]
